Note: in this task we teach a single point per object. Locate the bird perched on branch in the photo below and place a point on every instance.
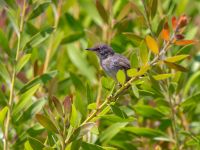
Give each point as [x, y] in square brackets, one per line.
[110, 61]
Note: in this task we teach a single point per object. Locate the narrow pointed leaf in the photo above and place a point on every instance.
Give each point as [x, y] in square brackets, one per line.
[121, 77]
[102, 11]
[46, 123]
[39, 9]
[40, 79]
[35, 143]
[162, 76]
[144, 53]
[152, 44]
[39, 38]
[4, 44]
[57, 105]
[124, 12]
[176, 66]
[81, 131]
[185, 42]
[22, 62]
[154, 5]
[176, 58]
[3, 113]
[174, 22]
[165, 32]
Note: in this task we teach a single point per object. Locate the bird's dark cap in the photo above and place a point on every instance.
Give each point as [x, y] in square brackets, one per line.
[97, 47]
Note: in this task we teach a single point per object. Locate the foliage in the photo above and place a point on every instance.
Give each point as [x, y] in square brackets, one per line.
[54, 94]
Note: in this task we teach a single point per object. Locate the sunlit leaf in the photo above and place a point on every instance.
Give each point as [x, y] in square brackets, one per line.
[135, 90]
[176, 66]
[143, 69]
[75, 117]
[102, 11]
[176, 58]
[185, 42]
[152, 44]
[121, 77]
[132, 72]
[3, 113]
[165, 32]
[144, 53]
[162, 76]
[46, 123]
[22, 62]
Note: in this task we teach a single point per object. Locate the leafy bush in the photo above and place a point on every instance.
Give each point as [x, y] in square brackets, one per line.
[54, 94]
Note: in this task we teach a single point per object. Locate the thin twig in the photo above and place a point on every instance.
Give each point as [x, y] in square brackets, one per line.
[11, 96]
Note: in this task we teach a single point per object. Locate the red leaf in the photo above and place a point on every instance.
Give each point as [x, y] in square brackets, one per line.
[185, 42]
[165, 32]
[174, 22]
[182, 21]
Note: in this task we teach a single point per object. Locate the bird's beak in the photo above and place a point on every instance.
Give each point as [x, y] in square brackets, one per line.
[90, 49]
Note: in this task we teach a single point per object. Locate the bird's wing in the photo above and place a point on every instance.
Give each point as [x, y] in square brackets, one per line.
[122, 62]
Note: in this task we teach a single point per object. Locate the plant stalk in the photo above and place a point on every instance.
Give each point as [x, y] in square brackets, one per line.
[11, 95]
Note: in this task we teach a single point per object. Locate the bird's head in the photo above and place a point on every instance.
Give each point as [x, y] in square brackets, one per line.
[102, 50]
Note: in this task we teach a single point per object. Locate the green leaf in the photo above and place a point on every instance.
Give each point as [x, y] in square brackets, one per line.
[22, 62]
[92, 106]
[37, 80]
[35, 143]
[27, 146]
[191, 101]
[146, 132]
[3, 113]
[176, 66]
[143, 69]
[14, 20]
[111, 131]
[116, 110]
[121, 77]
[75, 117]
[25, 100]
[107, 83]
[39, 38]
[81, 63]
[102, 11]
[46, 123]
[89, 146]
[154, 5]
[124, 12]
[162, 76]
[135, 90]
[40, 8]
[4, 44]
[31, 111]
[133, 37]
[58, 105]
[148, 111]
[144, 53]
[176, 58]
[191, 80]
[132, 72]
[72, 37]
[81, 131]
[4, 73]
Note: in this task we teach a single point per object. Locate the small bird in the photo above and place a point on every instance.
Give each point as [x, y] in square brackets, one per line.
[110, 61]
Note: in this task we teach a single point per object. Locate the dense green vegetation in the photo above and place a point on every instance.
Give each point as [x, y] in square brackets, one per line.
[55, 95]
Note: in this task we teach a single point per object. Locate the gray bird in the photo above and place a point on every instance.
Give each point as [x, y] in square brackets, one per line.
[110, 61]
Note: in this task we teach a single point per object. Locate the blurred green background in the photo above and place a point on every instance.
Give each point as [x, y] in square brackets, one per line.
[51, 37]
